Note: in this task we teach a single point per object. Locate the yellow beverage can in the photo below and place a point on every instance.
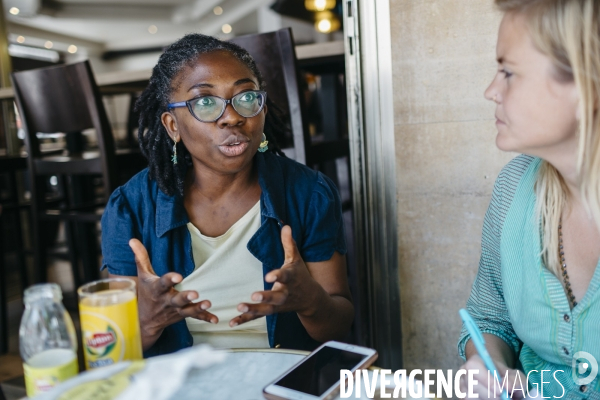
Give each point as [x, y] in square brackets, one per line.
[110, 325]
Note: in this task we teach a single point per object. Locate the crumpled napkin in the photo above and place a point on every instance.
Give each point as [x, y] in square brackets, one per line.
[164, 375]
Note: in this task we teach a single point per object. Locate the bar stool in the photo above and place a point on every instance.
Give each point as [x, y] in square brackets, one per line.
[66, 99]
[275, 56]
[10, 207]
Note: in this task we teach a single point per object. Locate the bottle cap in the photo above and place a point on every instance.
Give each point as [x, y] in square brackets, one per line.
[48, 291]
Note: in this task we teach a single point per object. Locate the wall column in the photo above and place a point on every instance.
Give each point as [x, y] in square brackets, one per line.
[8, 127]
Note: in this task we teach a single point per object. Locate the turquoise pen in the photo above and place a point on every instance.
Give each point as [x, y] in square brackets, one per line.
[479, 343]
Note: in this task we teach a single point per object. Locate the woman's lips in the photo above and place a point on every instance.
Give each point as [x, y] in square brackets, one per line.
[235, 149]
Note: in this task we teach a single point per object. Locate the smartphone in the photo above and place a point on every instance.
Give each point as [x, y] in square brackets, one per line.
[317, 377]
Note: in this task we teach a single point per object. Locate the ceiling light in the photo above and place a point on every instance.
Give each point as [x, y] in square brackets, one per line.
[14, 11]
[324, 25]
[327, 22]
[152, 29]
[48, 44]
[218, 10]
[72, 49]
[226, 28]
[20, 39]
[319, 5]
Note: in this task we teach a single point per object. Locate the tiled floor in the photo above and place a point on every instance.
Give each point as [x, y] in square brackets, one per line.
[11, 369]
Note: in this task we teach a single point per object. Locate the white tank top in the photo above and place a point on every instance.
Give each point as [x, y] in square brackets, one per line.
[227, 274]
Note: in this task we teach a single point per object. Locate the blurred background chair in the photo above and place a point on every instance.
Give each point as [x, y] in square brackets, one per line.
[12, 226]
[11, 235]
[312, 97]
[275, 55]
[65, 99]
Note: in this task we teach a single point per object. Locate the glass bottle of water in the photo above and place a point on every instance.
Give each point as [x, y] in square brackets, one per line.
[47, 339]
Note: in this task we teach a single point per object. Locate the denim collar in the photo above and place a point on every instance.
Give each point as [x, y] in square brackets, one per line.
[171, 214]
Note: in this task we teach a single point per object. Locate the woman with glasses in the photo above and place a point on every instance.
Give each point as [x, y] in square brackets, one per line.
[231, 243]
[536, 297]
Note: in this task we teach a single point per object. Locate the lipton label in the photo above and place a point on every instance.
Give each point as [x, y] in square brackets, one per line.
[100, 345]
[101, 339]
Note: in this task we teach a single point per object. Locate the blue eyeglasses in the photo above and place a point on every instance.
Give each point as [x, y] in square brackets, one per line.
[211, 108]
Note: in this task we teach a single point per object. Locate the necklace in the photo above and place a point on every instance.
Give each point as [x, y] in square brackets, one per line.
[563, 266]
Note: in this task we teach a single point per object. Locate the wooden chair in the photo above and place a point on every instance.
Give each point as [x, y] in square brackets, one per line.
[10, 220]
[275, 56]
[66, 99]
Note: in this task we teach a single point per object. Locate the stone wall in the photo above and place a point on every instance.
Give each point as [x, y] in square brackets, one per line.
[443, 55]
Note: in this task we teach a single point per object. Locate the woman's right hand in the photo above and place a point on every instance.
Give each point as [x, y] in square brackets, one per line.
[476, 363]
[159, 304]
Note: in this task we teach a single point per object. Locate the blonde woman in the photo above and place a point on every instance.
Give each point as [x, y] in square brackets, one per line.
[536, 297]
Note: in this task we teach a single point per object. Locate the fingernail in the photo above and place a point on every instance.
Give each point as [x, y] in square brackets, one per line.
[204, 306]
[233, 324]
[257, 297]
[190, 297]
[213, 321]
[243, 309]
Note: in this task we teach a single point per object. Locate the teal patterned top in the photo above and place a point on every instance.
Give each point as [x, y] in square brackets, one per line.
[516, 298]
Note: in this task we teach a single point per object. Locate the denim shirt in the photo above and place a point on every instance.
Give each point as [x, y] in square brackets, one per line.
[292, 194]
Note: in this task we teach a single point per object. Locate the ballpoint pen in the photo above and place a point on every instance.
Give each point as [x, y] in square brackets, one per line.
[479, 343]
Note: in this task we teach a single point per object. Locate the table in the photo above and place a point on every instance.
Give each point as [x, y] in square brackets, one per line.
[242, 375]
[243, 372]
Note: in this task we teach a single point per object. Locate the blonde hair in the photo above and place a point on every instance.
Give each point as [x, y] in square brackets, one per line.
[568, 32]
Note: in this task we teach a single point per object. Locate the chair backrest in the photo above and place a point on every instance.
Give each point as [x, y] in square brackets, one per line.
[275, 56]
[64, 99]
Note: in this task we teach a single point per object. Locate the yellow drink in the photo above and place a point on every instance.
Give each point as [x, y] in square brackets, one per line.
[48, 368]
[109, 322]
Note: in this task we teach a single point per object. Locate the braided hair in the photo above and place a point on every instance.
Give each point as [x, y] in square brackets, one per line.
[155, 143]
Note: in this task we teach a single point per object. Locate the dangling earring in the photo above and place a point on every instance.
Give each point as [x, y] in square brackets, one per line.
[264, 145]
[174, 157]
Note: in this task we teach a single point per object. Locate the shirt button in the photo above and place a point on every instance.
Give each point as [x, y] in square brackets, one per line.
[583, 388]
[566, 351]
[567, 318]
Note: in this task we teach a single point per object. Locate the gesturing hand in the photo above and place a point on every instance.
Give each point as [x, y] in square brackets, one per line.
[159, 304]
[294, 288]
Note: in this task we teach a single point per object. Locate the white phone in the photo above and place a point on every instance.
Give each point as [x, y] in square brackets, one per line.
[317, 377]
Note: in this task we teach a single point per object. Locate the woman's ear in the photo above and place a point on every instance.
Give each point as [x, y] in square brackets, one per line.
[170, 124]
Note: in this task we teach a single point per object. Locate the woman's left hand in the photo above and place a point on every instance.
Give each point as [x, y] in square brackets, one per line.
[294, 288]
